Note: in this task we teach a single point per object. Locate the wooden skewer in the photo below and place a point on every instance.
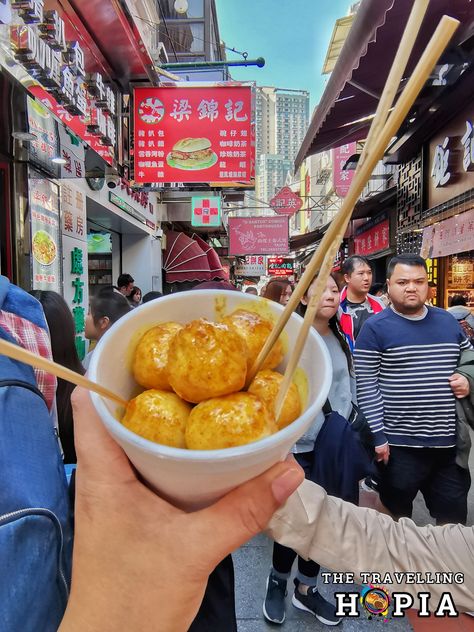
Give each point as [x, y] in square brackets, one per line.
[332, 238]
[343, 216]
[22, 355]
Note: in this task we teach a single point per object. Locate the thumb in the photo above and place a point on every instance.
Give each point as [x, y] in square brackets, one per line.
[246, 511]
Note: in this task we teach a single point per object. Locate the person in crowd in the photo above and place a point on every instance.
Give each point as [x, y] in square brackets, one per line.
[379, 290]
[278, 290]
[405, 360]
[62, 333]
[104, 311]
[357, 305]
[460, 312]
[151, 296]
[135, 297]
[125, 284]
[215, 285]
[251, 289]
[341, 395]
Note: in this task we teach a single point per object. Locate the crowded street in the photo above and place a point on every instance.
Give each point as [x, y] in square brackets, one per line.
[236, 315]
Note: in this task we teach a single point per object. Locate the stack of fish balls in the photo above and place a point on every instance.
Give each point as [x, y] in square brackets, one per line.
[194, 375]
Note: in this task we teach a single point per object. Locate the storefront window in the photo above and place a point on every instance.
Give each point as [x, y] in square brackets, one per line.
[186, 38]
[195, 10]
[461, 277]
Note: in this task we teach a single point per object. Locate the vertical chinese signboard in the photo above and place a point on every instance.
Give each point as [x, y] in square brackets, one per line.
[74, 238]
[193, 134]
[44, 209]
[342, 178]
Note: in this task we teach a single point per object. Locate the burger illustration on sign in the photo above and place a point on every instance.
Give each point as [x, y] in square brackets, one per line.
[192, 153]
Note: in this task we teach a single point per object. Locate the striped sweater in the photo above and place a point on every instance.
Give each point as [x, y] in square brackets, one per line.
[402, 370]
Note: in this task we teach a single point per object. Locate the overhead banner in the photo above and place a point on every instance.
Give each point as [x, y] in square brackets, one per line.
[373, 236]
[193, 134]
[258, 236]
[448, 237]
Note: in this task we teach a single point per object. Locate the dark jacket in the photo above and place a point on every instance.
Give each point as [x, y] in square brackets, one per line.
[465, 410]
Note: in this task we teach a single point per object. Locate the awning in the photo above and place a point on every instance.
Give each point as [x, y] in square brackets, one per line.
[356, 83]
[184, 259]
[213, 260]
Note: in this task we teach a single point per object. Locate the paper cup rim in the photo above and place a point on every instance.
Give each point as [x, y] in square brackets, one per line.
[117, 429]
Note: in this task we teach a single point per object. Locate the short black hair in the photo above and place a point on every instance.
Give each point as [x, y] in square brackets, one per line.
[376, 287]
[112, 305]
[406, 259]
[124, 280]
[458, 299]
[151, 296]
[351, 262]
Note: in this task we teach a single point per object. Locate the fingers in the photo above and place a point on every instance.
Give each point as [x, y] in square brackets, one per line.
[246, 511]
[98, 455]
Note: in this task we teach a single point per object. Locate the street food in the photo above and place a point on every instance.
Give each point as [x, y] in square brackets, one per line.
[192, 153]
[44, 248]
[255, 329]
[226, 422]
[158, 416]
[266, 386]
[151, 356]
[207, 360]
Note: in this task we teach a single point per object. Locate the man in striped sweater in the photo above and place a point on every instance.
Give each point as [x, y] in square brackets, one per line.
[405, 361]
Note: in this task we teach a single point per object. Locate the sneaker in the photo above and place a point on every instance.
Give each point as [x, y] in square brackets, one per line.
[315, 603]
[274, 604]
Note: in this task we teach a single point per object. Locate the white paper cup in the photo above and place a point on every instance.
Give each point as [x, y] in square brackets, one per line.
[195, 478]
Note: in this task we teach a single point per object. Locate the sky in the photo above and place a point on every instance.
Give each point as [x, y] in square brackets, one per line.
[292, 36]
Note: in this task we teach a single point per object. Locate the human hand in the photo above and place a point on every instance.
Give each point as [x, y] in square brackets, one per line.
[382, 453]
[459, 385]
[139, 563]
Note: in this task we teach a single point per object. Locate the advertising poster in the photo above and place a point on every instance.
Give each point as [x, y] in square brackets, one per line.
[193, 134]
[45, 231]
[41, 123]
[258, 235]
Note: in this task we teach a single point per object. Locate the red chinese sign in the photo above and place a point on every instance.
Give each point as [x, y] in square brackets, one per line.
[342, 177]
[194, 134]
[280, 266]
[258, 235]
[374, 239]
[286, 202]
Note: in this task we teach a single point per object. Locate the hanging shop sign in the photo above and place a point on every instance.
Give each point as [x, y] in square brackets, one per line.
[258, 235]
[57, 67]
[130, 210]
[193, 134]
[45, 146]
[74, 243]
[374, 236]
[450, 236]
[206, 211]
[286, 202]
[280, 266]
[342, 178]
[45, 231]
[251, 266]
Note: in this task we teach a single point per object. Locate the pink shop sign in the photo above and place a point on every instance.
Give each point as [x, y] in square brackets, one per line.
[258, 235]
[342, 177]
[450, 236]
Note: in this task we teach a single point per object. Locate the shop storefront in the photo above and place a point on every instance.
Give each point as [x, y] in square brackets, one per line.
[372, 240]
[447, 230]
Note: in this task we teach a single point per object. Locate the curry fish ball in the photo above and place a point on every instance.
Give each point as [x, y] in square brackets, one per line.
[266, 386]
[151, 356]
[225, 422]
[206, 360]
[255, 329]
[158, 416]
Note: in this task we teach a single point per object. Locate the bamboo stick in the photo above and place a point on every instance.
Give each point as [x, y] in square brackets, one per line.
[330, 243]
[22, 355]
[435, 47]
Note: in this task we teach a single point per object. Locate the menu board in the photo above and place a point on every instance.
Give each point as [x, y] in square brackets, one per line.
[45, 234]
[194, 134]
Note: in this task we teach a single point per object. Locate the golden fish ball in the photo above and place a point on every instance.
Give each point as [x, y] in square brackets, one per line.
[151, 356]
[255, 329]
[266, 386]
[226, 422]
[158, 416]
[207, 360]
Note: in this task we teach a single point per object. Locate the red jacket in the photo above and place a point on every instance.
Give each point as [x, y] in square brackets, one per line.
[345, 318]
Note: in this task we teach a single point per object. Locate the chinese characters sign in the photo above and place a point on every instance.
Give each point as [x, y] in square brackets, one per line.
[280, 266]
[342, 178]
[206, 211]
[73, 216]
[258, 235]
[252, 266]
[373, 236]
[286, 202]
[44, 209]
[452, 235]
[42, 124]
[193, 134]
[440, 171]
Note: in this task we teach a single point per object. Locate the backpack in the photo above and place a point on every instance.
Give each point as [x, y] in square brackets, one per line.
[468, 330]
[35, 516]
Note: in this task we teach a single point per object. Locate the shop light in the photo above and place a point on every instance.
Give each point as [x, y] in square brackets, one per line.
[181, 6]
[58, 160]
